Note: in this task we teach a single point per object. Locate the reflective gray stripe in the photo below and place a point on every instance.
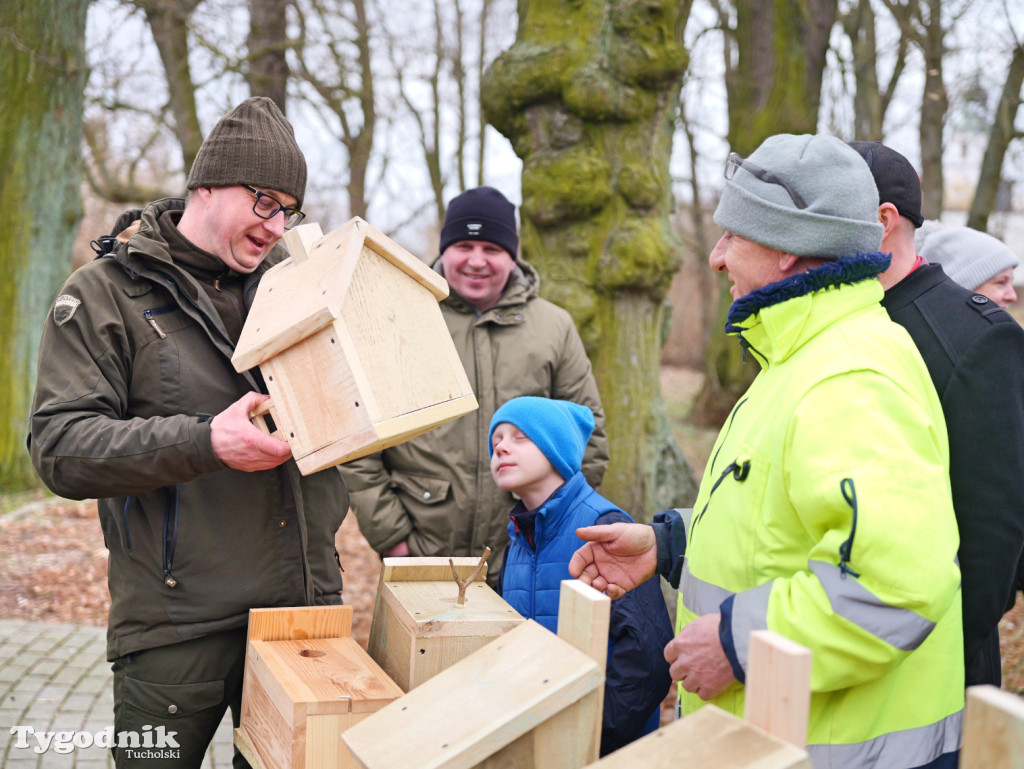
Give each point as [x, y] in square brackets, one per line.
[895, 750]
[749, 613]
[900, 627]
[699, 596]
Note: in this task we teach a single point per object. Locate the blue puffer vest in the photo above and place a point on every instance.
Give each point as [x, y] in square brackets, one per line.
[533, 576]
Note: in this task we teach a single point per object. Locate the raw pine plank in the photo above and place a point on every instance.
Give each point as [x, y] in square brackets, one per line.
[299, 623]
[707, 739]
[993, 730]
[778, 687]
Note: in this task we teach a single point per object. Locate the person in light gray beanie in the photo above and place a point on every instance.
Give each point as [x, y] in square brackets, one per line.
[805, 195]
[968, 256]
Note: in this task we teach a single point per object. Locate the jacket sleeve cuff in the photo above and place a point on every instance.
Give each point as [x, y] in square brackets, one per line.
[728, 644]
[201, 433]
[670, 539]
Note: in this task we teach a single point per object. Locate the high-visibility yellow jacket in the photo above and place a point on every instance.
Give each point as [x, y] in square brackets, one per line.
[825, 515]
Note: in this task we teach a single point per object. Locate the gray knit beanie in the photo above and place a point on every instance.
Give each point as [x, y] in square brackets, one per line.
[841, 214]
[969, 257]
[253, 144]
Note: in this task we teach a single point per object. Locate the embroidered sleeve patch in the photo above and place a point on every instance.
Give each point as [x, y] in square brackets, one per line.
[64, 308]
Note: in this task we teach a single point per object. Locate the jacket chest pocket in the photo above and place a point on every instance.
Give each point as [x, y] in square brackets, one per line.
[732, 515]
[177, 369]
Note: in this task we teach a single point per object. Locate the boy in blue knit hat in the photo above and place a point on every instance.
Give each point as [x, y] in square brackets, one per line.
[536, 449]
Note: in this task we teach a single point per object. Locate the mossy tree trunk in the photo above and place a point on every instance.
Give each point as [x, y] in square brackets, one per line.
[587, 95]
[775, 55]
[42, 58]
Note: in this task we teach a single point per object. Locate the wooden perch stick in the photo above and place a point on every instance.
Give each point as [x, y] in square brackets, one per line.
[464, 583]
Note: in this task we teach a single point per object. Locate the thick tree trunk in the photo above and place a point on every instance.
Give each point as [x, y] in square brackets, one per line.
[587, 96]
[268, 45]
[42, 58]
[774, 87]
[999, 138]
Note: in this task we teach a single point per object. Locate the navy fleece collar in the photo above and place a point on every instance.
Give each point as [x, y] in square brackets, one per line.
[849, 270]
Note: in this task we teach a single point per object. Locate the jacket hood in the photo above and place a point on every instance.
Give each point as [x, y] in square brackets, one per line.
[523, 285]
[777, 319]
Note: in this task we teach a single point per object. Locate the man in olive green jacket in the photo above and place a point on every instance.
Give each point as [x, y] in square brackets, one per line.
[138, 405]
[433, 495]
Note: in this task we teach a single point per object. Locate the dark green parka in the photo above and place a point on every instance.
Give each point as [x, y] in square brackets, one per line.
[134, 363]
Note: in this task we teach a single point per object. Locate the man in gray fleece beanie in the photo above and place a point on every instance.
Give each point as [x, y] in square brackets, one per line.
[805, 195]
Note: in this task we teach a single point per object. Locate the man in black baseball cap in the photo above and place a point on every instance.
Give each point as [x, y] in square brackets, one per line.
[974, 352]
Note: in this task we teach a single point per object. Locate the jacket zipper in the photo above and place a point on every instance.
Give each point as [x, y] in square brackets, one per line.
[170, 532]
[124, 517]
[845, 549]
[148, 315]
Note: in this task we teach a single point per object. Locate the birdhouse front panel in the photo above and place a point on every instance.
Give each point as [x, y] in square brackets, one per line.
[403, 346]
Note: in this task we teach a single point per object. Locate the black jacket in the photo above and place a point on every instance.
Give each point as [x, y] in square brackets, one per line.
[974, 352]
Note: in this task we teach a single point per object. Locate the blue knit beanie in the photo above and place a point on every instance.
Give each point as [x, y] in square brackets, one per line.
[560, 429]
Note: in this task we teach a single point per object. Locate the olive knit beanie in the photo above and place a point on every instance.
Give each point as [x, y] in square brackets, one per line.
[971, 258]
[482, 213]
[560, 429]
[253, 144]
[837, 211]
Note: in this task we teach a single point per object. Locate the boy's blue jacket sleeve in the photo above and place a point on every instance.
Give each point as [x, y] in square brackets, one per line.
[637, 678]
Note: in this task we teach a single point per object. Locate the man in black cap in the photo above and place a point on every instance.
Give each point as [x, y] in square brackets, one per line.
[138, 405]
[433, 495]
[974, 352]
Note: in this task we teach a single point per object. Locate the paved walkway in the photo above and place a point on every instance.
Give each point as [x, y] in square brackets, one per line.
[56, 678]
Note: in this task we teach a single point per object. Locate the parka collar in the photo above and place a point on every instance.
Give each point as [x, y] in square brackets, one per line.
[147, 249]
[523, 285]
[776, 320]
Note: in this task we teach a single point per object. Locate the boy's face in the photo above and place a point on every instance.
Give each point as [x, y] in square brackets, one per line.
[517, 465]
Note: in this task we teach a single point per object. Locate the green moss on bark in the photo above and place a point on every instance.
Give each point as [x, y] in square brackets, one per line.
[587, 97]
[43, 62]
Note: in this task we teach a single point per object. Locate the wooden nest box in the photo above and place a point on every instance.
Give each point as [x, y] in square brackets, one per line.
[306, 681]
[352, 346]
[419, 628]
[528, 699]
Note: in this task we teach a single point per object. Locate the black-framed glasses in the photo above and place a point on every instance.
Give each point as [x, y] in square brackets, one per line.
[266, 207]
[735, 161]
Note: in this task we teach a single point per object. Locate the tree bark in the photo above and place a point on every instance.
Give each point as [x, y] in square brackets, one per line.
[267, 74]
[999, 138]
[169, 22]
[587, 95]
[934, 105]
[42, 58]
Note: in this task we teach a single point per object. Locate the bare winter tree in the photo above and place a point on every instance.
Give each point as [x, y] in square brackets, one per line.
[1003, 132]
[871, 98]
[267, 73]
[333, 59]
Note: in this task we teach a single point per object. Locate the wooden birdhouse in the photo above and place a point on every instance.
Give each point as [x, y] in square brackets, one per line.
[528, 699]
[306, 681]
[352, 346]
[419, 627]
